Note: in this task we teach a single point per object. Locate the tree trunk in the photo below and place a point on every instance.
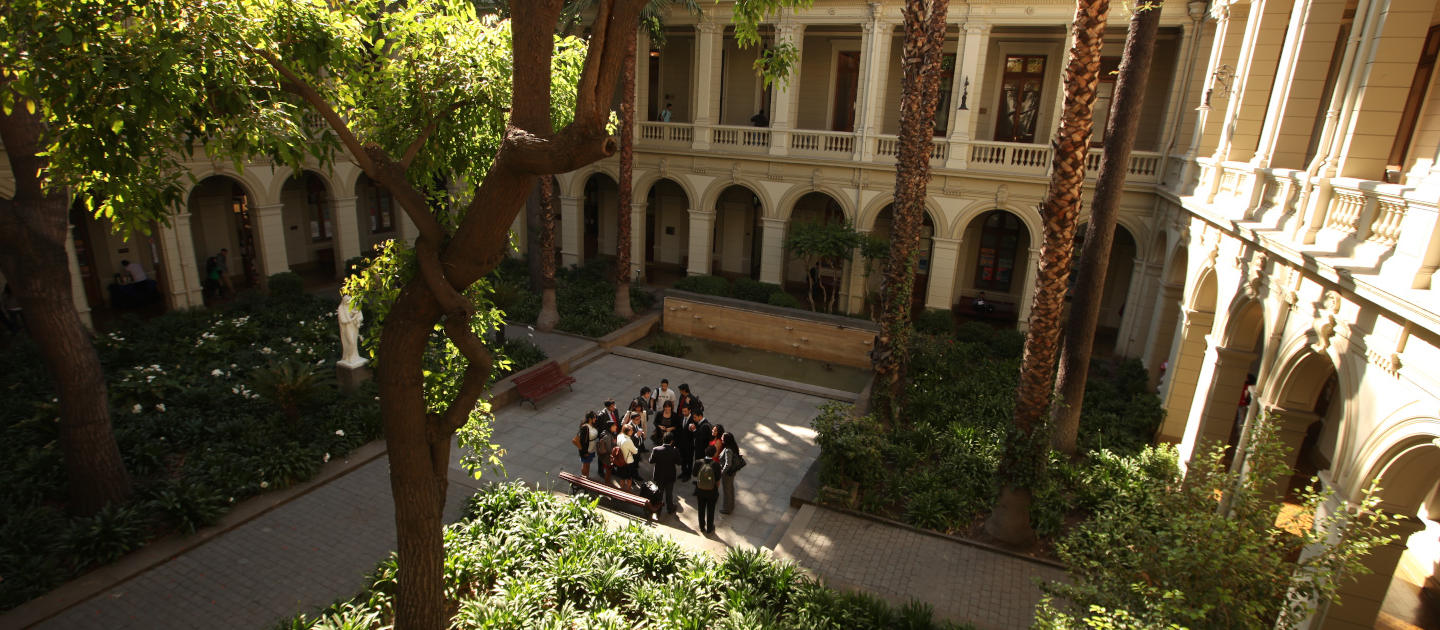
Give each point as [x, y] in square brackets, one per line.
[1024, 457]
[924, 38]
[1120, 131]
[549, 314]
[34, 225]
[627, 178]
[534, 224]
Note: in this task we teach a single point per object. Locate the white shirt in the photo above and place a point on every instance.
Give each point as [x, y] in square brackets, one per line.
[627, 446]
[664, 115]
[137, 273]
[662, 395]
[594, 437]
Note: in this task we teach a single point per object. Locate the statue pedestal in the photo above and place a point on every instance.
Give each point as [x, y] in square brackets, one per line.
[352, 374]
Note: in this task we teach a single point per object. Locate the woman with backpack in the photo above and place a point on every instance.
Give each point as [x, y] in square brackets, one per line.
[586, 439]
[707, 489]
[730, 463]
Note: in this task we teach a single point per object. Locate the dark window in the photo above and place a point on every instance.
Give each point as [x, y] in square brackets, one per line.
[318, 207]
[1021, 91]
[999, 238]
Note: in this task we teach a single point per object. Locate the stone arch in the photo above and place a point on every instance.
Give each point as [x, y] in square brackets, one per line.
[221, 209]
[792, 268]
[735, 244]
[786, 207]
[1158, 248]
[258, 191]
[1244, 322]
[1028, 218]
[647, 181]
[283, 174]
[712, 193]
[573, 185]
[971, 260]
[1308, 387]
[872, 210]
[599, 201]
[1204, 293]
[377, 214]
[307, 199]
[667, 222]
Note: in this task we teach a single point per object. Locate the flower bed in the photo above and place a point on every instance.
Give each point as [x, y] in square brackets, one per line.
[208, 408]
[939, 468]
[524, 558]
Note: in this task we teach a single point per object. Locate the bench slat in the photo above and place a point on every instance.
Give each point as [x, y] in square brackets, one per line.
[541, 382]
[603, 490]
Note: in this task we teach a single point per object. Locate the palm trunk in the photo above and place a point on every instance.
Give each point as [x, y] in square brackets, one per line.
[1120, 131]
[627, 177]
[1024, 457]
[549, 314]
[33, 231]
[924, 38]
[534, 224]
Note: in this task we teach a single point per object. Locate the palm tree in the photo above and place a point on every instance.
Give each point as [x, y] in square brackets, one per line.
[1120, 131]
[924, 38]
[1024, 455]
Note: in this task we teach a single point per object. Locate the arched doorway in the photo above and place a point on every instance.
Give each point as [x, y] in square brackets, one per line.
[735, 250]
[1230, 365]
[1119, 268]
[1186, 353]
[102, 256]
[599, 218]
[222, 218]
[375, 212]
[667, 231]
[309, 219]
[812, 207]
[881, 230]
[995, 251]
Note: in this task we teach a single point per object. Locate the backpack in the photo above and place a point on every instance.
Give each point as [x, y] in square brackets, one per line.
[705, 479]
[617, 457]
[582, 440]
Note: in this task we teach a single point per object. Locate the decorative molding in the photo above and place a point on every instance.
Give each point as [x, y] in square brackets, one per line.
[1326, 321]
[1002, 194]
[1389, 363]
[1255, 275]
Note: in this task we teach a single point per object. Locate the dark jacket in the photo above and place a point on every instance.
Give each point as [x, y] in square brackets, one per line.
[665, 459]
[696, 471]
[700, 438]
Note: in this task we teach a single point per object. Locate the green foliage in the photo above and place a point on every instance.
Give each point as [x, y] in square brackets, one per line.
[706, 284]
[1208, 551]
[193, 428]
[289, 384]
[286, 285]
[522, 353]
[939, 466]
[526, 558]
[934, 321]
[754, 290]
[668, 344]
[780, 298]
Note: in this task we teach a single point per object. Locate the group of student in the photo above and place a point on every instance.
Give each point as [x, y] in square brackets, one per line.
[686, 447]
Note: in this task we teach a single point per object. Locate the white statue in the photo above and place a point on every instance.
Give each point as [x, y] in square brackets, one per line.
[350, 320]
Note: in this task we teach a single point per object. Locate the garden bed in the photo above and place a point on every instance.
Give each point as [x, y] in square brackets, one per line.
[939, 467]
[525, 558]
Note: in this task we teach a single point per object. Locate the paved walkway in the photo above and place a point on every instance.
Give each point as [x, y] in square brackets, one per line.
[964, 583]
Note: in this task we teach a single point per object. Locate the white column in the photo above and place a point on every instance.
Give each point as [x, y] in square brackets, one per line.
[702, 228]
[966, 96]
[182, 276]
[1217, 394]
[270, 237]
[1027, 294]
[708, 40]
[637, 240]
[77, 285]
[642, 76]
[570, 227]
[874, 70]
[1240, 88]
[944, 255]
[407, 231]
[772, 250]
[347, 232]
[786, 90]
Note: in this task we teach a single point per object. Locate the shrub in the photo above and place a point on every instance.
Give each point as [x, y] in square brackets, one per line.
[640, 299]
[525, 558]
[671, 345]
[354, 265]
[783, 299]
[754, 290]
[286, 284]
[522, 354]
[706, 284]
[934, 321]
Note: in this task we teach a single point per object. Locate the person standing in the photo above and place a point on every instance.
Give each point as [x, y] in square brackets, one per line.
[609, 414]
[707, 474]
[665, 423]
[222, 262]
[700, 433]
[629, 471]
[730, 462]
[666, 114]
[685, 440]
[688, 399]
[666, 458]
[135, 270]
[604, 443]
[664, 395]
[586, 440]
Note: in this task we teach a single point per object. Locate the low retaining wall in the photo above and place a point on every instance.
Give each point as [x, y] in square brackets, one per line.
[829, 338]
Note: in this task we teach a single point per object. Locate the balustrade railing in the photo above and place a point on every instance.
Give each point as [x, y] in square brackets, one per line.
[748, 139]
[888, 147]
[1027, 159]
[675, 134]
[837, 144]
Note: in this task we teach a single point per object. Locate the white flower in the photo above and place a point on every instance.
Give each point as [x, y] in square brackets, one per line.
[266, 350]
[216, 372]
[232, 499]
[326, 459]
[232, 366]
[136, 409]
[154, 366]
[532, 328]
[160, 407]
[320, 362]
[264, 484]
[287, 340]
[149, 378]
[340, 432]
[234, 390]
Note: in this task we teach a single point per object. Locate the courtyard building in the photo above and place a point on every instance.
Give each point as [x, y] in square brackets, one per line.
[1279, 219]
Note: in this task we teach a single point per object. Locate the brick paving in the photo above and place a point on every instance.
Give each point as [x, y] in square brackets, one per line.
[964, 583]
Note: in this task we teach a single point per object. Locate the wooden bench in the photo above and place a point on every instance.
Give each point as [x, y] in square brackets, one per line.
[1003, 311]
[580, 484]
[541, 381]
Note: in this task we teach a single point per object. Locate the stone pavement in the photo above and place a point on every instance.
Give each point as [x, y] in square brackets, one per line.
[773, 427]
[964, 583]
[299, 557]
